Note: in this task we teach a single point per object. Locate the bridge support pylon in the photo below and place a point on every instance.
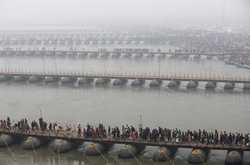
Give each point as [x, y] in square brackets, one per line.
[101, 81]
[6, 140]
[130, 151]
[61, 146]
[50, 79]
[192, 84]
[210, 85]
[34, 79]
[115, 55]
[5, 78]
[126, 55]
[198, 156]
[246, 86]
[67, 80]
[137, 55]
[155, 83]
[164, 154]
[174, 84]
[31, 143]
[84, 81]
[93, 55]
[234, 158]
[20, 78]
[95, 149]
[119, 82]
[229, 86]
[137, 82]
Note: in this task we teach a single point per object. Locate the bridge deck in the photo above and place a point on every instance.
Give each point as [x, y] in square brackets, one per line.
[73, 137]
[149, 76]
[67, 52]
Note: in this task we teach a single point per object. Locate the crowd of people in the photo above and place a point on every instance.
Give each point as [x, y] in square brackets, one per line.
[131, 133]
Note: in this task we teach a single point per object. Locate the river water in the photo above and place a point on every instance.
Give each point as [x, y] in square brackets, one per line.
[164, 107]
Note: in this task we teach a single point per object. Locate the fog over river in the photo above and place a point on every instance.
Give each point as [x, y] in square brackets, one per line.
[181, 108]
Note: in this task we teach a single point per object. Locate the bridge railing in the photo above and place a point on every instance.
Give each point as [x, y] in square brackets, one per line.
[134, 75]
[67, 51]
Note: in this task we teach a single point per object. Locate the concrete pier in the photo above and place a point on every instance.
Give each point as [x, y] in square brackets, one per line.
[137, 55]
[192, 84]
[148, 153]
[149, 56]
[34, 79]
[101, 81]
[185, 57]
[84, 81]
[82, 55]
[234, 158]
[67, 80]
[161, 56]
[229, 86]
[173, 84]
[104, 56]
[210, 85]
[60, 145]
[6, 140]
[50, 79]
[171, 57]
[93, 149]
[155, 83]
[116, 55]
[93, 55]
[162, 154]
[137, 82]
[31, 143]
[119, 82]
[246, 86]
[127, 55]
[5, 78]
[196, 57]
[19, 78]
[129, 151]
[198, 156]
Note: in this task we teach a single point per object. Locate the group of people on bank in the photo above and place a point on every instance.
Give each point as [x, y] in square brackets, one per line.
[127, 132]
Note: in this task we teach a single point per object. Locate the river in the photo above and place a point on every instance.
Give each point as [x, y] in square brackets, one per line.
[164, 107]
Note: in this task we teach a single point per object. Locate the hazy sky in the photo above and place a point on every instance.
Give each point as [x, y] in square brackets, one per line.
[117, 12]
